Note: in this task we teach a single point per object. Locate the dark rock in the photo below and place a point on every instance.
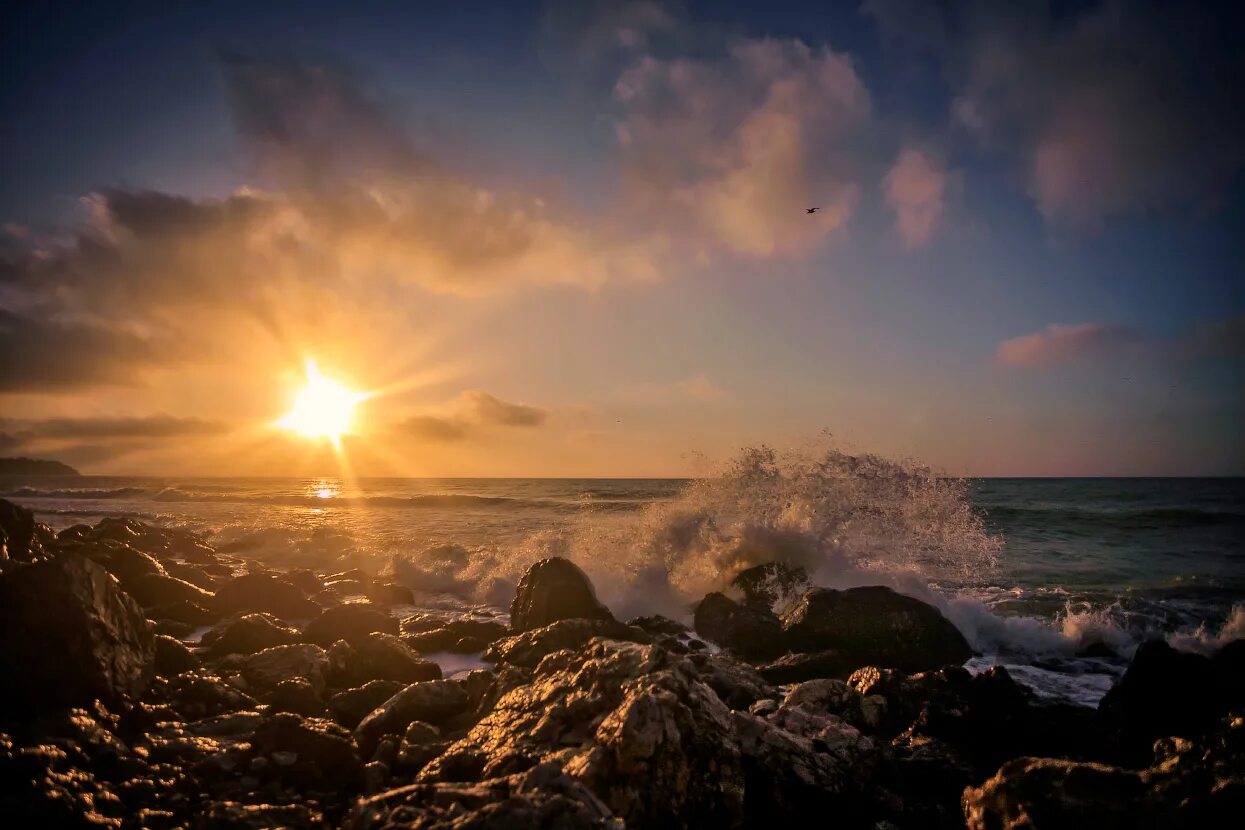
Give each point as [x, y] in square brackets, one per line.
[248, 634]
[796, 668]
[298, 697]
[763, 586]
[319, 753]
[172, 657]
[1228, 665]
[657, 624]
[433, 701]
[389, 593]
[264, 592]
[200, 694]
[158, 589]
[190, 613]
[232, 815]
[875, 626]
[21, 537]
[530, 647]
[69, 635]
[126, 563]
[351, 623]
[450, 636]
[305, 580]
[751, 632]
[380, 656]
[735, 682]
[551, 590]
[263, 670]
[353, 705]
[192, 574]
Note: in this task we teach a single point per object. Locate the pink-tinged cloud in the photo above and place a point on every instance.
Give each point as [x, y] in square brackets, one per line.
[1057, 344]
[915, 188]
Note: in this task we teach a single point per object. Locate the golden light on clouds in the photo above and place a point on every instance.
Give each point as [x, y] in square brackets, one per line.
[323, 408]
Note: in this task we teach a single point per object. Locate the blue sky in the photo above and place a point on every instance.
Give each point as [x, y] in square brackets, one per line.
[1027, 259]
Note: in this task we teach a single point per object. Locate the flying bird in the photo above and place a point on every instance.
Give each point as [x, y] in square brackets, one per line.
[811, 210]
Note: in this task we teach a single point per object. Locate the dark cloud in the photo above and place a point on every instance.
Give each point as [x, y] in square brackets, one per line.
[433, 428]
[1112, 108]
[151, 427]
[473, 412]
[487, 409]
[42, 356]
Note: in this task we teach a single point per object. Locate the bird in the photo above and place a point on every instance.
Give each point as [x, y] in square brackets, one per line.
[811, 210]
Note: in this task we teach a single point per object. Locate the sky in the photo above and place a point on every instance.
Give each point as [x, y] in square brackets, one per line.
[570, 238]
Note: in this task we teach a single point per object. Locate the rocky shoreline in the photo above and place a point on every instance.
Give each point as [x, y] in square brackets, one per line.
[151, 681]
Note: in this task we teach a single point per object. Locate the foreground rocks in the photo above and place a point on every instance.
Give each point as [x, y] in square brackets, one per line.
[295, 710]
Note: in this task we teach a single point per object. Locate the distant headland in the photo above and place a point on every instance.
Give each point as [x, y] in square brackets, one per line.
[35, 467]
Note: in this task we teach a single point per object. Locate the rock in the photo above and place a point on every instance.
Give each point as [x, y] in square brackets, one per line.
[551, 590]
[380, 656]
[389, 593]
[451, 636]
[1163, 692]
[21, 537]
[796, 668]
[248, 634]
[190, 613]
[541, 797]
[324, 756]
[265, 669]
[264, 592]
[172, 657]
[530, 647]
[298, 697]
[656, 624]
[192, 574]
[351, 623]
[353, 705]
[200, 693]
[735, 682]
[124, 562]
[69, 635]
[433, 701]
[159, 589]
[875, 626]
[751, 632]
[231, 815]
[765, 586]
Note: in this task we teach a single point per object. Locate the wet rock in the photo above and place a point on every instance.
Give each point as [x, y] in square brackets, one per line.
[263, 592]
[231, 815]
[265, 669]
[158, 589]
[200, 693]
[298, 697]
[69, 635]
[551, 590]
[389, 593]
[351, 623]
[751, 632]
[656, 624]
[124, 562]
[530, 647]
[764, 586]
[22, 539]
[192, 574]
[305, 580]
[738, 684]
[432, 701]
[189, 613]
[796, 668]
[541, 797]
[172, 657]
[451, 636]
[248, 634]
[351, 706]
[875, 626]
[321, 753]
[378, 656]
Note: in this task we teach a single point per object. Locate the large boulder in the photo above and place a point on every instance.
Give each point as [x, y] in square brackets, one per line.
[751, 631]
[380, 657]
[265, 669]
[768, 585]
[352, 623]
[247, 634]
[530, 647]
[351, 706]
[159, 589]
[69, 635]
[875, 626]
[264, 592]
[432, 701]
[554, 589]
[21, 538]
[313, 752]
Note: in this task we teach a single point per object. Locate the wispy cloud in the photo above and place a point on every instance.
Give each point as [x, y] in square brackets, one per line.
[915, 189]
[472, 412]
[1058, 344]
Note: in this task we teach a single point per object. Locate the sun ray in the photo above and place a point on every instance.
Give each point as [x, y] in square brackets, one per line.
[323, 408]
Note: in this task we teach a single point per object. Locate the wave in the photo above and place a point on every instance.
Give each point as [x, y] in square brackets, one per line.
[1152, 517]
[77, 493]
[429, 500]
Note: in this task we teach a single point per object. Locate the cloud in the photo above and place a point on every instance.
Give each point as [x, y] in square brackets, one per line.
[915, 190]
[1059, 344]
[471, 413]
[1112, 109]
[150, 427]
[736, 146]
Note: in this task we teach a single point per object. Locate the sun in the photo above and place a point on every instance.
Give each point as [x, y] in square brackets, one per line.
[323, 408]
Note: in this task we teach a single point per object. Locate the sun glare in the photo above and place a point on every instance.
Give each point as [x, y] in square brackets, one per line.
[323, 408]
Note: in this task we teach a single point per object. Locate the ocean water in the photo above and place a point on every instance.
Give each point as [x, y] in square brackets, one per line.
[1058, 579]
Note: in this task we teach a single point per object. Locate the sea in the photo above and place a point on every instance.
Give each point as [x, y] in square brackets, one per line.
[1059, 579]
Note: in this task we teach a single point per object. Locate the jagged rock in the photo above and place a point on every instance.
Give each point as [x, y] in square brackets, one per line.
[22, 539]
[454, 634]
[530, 647]
[541, 797]
[122, 561]
[351, 623]
[796, 668]
[298, 697]
[764, 586]
[200, 693]
[265, 669]
[192, 574]
[551, 590]
[231, 815]
[319, 753]
[353, 705]
[160, 589]
[751, 632]
[172, 657]
[189, 613]
[433, 701]
[378, 656]
[248, 634]
[738, 684]
[656, 624]
[264, 592]
[69, 635]
[389, 593]
[875, 626]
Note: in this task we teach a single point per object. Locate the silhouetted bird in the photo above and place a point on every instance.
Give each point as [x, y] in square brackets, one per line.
[811, 210]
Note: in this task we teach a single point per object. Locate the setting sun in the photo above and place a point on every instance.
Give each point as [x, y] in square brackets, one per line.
[323, 408]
